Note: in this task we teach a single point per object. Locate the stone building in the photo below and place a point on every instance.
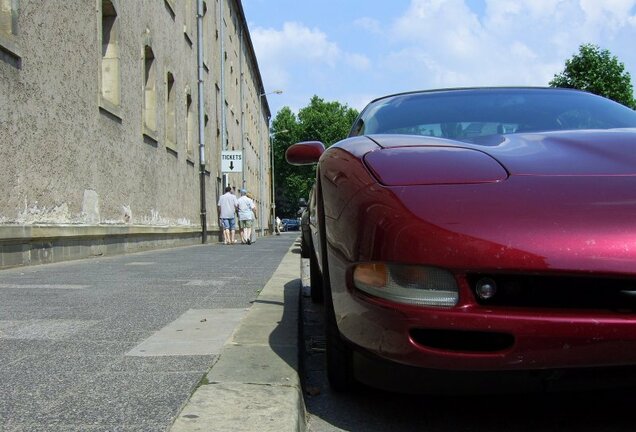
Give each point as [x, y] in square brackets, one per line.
[99, 125]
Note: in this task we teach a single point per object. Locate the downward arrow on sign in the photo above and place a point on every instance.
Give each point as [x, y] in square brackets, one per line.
[231, 165]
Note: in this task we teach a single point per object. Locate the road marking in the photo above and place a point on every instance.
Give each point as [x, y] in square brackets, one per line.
[203, 283]
[43, 286]
[42, 329]
[196, 332]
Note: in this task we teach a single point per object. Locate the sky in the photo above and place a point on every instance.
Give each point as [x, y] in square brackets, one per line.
[353, 51]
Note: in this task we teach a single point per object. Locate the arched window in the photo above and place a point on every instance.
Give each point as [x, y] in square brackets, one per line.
[189, 14]
[150, 92]
[190, 126]
[171, 117]
[8, 15]
[111, 81]
[207, 137]
[9, 27]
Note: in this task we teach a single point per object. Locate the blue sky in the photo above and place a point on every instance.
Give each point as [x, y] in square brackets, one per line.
[353, 51]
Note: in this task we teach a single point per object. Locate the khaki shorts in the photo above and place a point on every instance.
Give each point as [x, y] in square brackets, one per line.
[248, 223]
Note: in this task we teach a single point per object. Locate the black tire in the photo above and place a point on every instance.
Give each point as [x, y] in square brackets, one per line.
[338, 355]
[305, 248]
[315, 279]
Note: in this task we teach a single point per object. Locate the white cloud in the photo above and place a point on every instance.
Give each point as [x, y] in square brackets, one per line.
[369, 24]
[515, 42]
[358, 61]
[295, 41]
[295, 46]
[447, 27]
[437, 43]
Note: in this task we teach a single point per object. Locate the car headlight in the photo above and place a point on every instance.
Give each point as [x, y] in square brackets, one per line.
[416, 285]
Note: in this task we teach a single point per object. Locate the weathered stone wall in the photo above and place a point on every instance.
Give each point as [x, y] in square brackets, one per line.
[68, 158]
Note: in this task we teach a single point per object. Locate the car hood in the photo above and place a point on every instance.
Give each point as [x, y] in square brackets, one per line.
[568, 204]
[562, 153]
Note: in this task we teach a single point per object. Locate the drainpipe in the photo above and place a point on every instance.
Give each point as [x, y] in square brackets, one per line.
[242, 96]
[204, 229]
[223, 112]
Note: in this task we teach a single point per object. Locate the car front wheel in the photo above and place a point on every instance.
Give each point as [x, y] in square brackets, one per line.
[338, 354]
[315, 279]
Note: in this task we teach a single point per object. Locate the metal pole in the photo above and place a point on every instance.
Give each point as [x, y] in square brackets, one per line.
[204, 228]
[272, 137]
[222, 62]
[260, 155]
[271, 150]
[260, 163]
[242, 97]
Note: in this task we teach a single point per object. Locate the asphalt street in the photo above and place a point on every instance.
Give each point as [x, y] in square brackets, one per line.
[90, 345]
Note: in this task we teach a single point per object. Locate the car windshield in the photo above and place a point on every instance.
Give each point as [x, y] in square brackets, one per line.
[469, 114]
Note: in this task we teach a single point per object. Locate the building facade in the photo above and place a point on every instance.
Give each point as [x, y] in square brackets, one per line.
[101, 129]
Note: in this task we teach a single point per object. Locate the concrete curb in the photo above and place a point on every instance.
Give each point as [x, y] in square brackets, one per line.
[254, 385]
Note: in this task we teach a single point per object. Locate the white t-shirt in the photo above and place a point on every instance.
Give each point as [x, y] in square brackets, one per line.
[245, 207]
[228, 203]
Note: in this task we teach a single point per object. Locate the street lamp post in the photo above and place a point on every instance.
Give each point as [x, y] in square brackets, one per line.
[271, 148]
[260, 155]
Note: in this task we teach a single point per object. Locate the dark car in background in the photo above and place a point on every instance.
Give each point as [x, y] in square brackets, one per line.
[477, 237]
[291, 224]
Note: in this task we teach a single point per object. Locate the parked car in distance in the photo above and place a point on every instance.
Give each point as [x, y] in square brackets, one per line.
[291, 224]
[477, 239]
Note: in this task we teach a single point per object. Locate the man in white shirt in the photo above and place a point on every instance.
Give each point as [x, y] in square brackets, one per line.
[246, 216]
[227, 211]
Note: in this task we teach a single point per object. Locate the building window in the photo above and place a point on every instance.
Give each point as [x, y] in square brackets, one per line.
[189, 15]
[150, 93]
[206, 27]
[190, 126]
[9, 26]
[111, 78]
[171, 117]
[207, 146]
[171, 7]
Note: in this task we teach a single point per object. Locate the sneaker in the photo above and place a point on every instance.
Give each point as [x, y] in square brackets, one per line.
[249, 242]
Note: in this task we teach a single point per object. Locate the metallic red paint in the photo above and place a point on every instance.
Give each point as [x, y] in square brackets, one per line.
[405, 166]
[305, 153]
[570, 224]
[559, 204]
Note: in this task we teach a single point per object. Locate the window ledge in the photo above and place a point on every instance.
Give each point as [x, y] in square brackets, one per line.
[171, 146]
[170, 4]
[110, 108]
[172, 151]
[150, 134]
[8, 45]
[187, 37]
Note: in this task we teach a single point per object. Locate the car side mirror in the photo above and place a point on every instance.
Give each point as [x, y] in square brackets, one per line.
[304, 153]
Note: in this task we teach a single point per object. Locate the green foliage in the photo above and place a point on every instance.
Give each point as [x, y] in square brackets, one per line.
[328, 122]
[597, 71]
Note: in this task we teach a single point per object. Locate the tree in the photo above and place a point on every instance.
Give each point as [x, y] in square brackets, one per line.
[328, 122]
[597, 71]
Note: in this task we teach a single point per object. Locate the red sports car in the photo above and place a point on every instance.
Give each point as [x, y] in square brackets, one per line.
[483, 237]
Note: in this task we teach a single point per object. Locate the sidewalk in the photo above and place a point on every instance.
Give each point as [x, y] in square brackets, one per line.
[121, 342]
[254, 385]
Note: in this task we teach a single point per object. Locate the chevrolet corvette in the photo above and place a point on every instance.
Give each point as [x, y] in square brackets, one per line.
[474, 237]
